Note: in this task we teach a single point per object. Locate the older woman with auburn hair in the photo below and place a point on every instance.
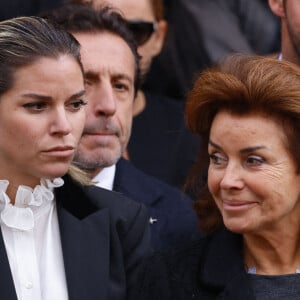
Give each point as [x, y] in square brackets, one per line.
[247, 111]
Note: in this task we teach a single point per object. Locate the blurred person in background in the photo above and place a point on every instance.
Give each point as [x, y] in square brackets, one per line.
[289, 15]
[160, 143]
[201, 32]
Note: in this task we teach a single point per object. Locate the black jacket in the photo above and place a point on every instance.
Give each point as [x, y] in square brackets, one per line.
[104, 237]
[211, 268]
[172, 218]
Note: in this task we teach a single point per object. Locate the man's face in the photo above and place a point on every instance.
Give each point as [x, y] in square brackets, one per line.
[109, 68]
[141, 10]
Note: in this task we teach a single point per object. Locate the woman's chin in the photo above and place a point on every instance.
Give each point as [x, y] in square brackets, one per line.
[237, 226]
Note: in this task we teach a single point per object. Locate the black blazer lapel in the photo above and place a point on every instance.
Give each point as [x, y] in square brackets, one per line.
[85, 245]
[85, 237]
[7, 289]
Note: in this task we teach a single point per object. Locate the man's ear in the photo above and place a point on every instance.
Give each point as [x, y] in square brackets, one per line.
[277, 7]
[160, 34]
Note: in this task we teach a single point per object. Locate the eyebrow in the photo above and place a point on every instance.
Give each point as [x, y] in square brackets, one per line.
[242, 151]
[49, 98]
[95, 77]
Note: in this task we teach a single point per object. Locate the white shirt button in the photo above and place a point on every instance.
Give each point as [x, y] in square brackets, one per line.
[29, 285]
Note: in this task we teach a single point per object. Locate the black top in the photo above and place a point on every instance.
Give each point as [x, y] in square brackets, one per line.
[267, 287]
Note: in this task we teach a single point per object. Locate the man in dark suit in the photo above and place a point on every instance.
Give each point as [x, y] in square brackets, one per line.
[170, 148]
[110, 62]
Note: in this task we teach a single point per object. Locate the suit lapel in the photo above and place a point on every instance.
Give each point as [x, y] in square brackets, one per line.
[85, 243]
[135, 184]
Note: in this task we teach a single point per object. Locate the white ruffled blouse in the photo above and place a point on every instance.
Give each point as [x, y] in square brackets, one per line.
[32, 241]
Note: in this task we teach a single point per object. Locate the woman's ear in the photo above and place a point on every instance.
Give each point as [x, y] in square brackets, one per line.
[277, 7]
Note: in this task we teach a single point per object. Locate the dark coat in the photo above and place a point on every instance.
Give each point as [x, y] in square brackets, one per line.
[160, 143]
[104, 237]
[176, 221]
[211, 268]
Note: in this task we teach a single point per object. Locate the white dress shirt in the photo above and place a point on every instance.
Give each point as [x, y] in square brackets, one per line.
[32, 241]
[105, 178]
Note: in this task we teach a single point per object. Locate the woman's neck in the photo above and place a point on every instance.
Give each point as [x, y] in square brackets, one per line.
[275, 255]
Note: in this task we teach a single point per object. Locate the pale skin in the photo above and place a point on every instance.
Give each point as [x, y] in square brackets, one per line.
[253, 180]
[289, 13]
[41, 121]
[109, 68]
[141, 10]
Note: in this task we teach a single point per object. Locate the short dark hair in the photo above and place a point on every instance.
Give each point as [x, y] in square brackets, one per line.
[242, 85]
[24, 40]
[82, 17]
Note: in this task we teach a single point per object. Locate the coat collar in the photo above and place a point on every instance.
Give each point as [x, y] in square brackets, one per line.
[84, 230]
[85, 238]
[137, 185]
[222, 266]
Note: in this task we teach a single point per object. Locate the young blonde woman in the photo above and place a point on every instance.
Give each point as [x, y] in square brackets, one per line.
[56, 233]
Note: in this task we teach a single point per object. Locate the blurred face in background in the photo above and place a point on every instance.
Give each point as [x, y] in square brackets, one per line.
[149, 31]
[289, 13]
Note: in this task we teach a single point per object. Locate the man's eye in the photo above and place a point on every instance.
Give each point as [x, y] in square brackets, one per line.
[121, 86]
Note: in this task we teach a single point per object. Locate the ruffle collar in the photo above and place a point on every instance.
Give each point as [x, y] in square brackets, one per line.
[20, 215]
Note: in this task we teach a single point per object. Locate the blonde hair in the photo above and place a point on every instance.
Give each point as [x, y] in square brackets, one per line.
[23, 40]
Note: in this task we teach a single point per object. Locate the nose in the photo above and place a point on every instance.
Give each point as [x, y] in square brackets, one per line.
[102, 99]
[232, 177]
[60, 124]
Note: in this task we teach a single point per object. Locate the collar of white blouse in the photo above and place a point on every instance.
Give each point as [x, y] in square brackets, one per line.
[20, 215]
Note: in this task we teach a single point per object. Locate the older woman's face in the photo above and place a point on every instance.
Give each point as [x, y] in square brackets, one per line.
[252, 176]
[41, 120]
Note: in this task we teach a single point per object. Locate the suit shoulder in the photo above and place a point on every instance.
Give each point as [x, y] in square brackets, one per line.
[113, 200]
[127, 174]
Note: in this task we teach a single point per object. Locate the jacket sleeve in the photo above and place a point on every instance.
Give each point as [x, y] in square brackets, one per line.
[154, 280]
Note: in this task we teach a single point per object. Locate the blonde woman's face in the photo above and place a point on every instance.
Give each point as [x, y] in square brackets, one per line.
[41, 120]
[252, 176]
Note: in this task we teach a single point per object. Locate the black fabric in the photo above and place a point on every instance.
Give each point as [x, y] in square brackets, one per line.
[15, 8]
[175, 220]
[160, 143]
[285, 287]
[211, 268]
